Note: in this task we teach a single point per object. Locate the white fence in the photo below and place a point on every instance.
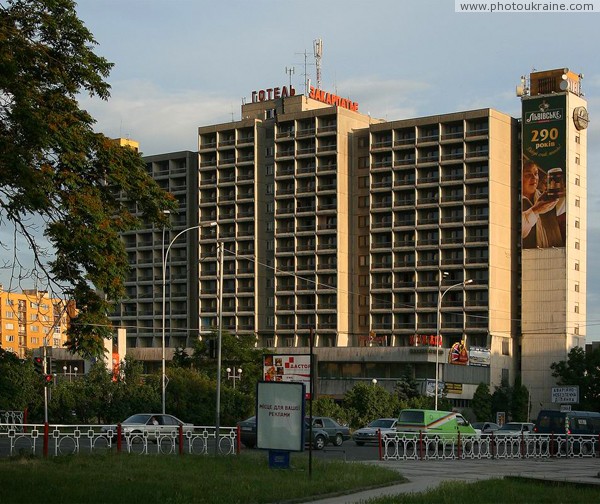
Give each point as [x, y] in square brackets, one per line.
[54, 440]
[405, 446]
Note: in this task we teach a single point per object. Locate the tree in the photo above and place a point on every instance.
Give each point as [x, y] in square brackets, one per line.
[519, 402]
[20, 386]
[482, 403]
[364, 403]
[54, 169]
[581, 369]
[406, 387]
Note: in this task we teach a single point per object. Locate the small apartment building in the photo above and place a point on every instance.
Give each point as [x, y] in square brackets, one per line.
[31, 318]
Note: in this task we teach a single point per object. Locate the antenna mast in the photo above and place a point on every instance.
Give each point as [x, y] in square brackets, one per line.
[291, 71]
[318, 51]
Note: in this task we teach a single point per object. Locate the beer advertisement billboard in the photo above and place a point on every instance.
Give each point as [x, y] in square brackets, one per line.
[544, 132]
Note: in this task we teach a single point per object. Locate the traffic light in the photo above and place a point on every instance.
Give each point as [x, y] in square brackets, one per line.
[52, 366]
[38, 365]
[48, 379]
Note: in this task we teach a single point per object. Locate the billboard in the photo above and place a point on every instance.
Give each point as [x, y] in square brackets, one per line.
[280, 416]
[544, 161]
[288, 368]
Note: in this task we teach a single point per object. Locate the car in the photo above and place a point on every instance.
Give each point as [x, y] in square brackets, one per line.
[337, 433]
[248, 434]
[515, 429]
[485, 427]
[150, 425]
[369, 433]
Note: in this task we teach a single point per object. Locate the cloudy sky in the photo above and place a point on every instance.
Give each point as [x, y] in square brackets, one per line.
[180, 64]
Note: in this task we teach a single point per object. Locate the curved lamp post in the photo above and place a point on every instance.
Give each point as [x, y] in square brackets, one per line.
[439, 317]
[164, 289]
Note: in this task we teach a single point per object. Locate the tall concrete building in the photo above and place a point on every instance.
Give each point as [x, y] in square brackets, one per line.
[392, 243]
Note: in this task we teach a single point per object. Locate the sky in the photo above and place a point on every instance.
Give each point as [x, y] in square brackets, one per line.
[181, 64]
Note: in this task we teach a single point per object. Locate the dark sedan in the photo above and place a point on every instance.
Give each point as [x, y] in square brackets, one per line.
[337, 433]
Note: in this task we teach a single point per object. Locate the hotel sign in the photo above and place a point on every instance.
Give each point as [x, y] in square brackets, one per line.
[272, 93]
[332, 99]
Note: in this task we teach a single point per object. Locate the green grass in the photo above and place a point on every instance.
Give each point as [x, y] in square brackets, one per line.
[189, 479]
[498, 491]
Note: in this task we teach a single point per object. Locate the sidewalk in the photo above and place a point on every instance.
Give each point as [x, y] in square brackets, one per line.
[424, 475]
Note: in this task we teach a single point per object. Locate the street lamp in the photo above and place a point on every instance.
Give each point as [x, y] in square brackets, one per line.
[164, 295]
[374, 381]
[234, 374]
[441, 295]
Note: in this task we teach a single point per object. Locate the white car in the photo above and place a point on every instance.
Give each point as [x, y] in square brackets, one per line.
[150, 425]
[369, 434]
[515, 429]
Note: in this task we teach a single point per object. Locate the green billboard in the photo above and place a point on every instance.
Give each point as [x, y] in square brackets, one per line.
[544, 132]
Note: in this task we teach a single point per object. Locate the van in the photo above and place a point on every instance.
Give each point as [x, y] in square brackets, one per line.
[444, 423]
[567, 422]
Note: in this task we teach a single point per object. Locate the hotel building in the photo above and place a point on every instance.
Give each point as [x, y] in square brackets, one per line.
[372, 236]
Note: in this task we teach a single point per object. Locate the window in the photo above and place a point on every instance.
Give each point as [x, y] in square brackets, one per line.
[576, 180]
[270, 114]
[269, 169]
[576, 265]
[271, 302]
[577, 244]
[10, 338]
[35, 328]
[34, 305]
[576, 287]
[9, 314]
[9, 326]
[270, 188]
[577, 202]
[505, 347]
[362, 280]
[270, 322]
[577, 160]
[269, 151]
[270, 245]
[363, 241]
[363, 182]
[270, 207]
[576, 308]
[9, 302]
[362, 320]
[363, 162]
[270, 226]
[363, 202]
[363, 260]
[362, 300]
[363, 221]
[505, 376]
[577, 139]
[362, 142]
[34, 316]
[577, 223]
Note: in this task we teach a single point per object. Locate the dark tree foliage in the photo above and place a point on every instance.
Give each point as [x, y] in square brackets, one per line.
[482, 403]
[581, 369]
[56, 170]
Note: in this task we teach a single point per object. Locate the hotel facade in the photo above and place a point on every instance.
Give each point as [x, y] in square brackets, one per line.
[394, 244]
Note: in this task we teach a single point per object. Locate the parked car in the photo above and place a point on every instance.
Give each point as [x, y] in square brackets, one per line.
[248, 434]
[567, 422]
[485, 427]
[369, 433]
[337, 433]
[150, 425]
[515, 429]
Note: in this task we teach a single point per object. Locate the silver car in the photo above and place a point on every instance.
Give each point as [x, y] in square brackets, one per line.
[369, 434]
[149, 425]
[515, 429]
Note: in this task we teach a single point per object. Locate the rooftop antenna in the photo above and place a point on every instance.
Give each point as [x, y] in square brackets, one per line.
[291, 71]
[305, 74]
[318, 51]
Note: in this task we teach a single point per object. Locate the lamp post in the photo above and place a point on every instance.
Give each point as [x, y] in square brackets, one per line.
[164, 295]
[374, 381]
[219, 340]
[234, 374]
[441, 295]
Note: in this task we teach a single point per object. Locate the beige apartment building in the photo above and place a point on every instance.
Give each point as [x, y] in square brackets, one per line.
[393, 243]
[30, 319]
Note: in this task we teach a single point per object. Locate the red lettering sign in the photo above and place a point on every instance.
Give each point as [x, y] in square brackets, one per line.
[272, 93]
[332, 99]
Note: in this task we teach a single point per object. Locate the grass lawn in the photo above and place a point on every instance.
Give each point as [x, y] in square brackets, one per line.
[500, 491]
[123, 478]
